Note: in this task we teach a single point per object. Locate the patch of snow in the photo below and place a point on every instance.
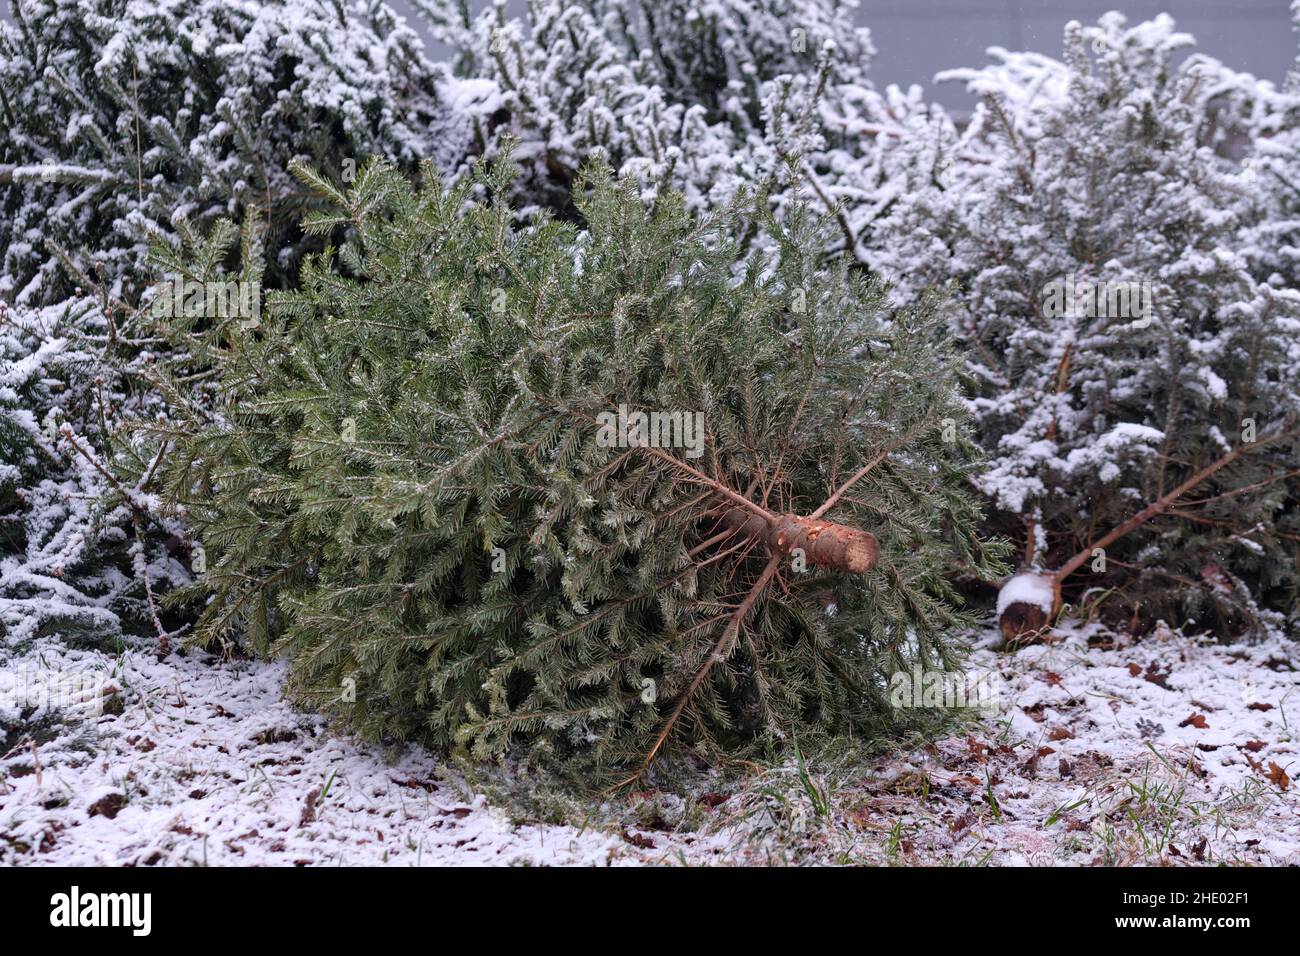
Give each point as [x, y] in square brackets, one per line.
[207, 764]
[1027, 588]
[194, 760]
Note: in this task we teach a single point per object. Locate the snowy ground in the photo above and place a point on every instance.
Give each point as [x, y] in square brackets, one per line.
[1165, 751]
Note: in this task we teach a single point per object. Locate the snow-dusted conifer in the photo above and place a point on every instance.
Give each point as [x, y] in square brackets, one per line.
[121, 116]
[121, 120]
[709, 99]
[1271, 179]
[1136, 384]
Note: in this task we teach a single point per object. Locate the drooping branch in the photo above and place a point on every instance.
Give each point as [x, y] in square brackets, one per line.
[721, 650]
[825, 544]
[861, 473]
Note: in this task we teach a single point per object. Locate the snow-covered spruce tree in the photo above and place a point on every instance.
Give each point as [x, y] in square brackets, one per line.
[1271, 237]
[1271, 179]
[420, 488]
[121, 116]
[80, 551]
[1137, 387]
[708, 99]
[118, 120]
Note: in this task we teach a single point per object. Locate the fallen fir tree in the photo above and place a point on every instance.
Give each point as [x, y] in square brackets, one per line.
[437, 481]
[1030, 601]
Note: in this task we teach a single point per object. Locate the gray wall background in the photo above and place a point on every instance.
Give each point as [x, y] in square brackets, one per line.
[916, 38]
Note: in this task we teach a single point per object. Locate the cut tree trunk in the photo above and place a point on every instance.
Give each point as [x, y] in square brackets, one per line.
[824, 543]
[1027, 605]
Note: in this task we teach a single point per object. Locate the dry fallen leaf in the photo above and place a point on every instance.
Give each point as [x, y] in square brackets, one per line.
[1197, 721]
[1156, 676]
[1277, 776]
[1035, 712]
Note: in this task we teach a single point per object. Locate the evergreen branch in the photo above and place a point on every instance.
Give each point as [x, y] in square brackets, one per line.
[1163, 503]
[721, 650]
[861, 473]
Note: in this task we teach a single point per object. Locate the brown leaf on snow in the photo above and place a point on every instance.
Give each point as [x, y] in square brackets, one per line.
[1060, 733]
[1259, 706]
[962, 823]
[1051, 678]
[638, 839]
[1277, 776]
[911, 782]
[1156, 676]
[1031, 765]
[1035, 712]
[107, 806]
[308, 814]
[1134, 670]
[1254, 746]
[860, 816]
[1213, 575]
[1197, 721]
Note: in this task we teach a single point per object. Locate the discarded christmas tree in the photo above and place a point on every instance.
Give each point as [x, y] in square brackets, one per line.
[1136, 387]
[580, 496]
